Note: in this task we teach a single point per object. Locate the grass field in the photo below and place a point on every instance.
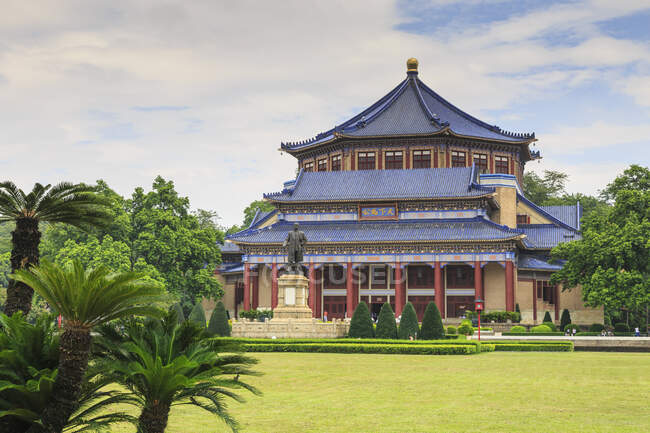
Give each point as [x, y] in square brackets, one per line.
[494, 392]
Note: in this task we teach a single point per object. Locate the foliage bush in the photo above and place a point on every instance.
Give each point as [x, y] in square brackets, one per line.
[179, 312]
[198, 315]
[386, 325]
[451, 330]
[465, 329]
[517, 328]
[218, 324]
[408, 324]
[621, 327]
[551, 326]
[496, 316]
[565, 319]
[547, 317]
[537, 334]
[361, 323]
[596, 327]
[432, 328]
[570, 327]
[540, 329]
[256, 314]
[242, 340]
[588, 334]
[518, 347]
[403, 349]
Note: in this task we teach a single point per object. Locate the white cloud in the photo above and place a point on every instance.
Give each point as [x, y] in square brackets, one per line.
[252, 74]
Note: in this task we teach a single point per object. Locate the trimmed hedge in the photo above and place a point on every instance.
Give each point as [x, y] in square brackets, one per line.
[596, 327]
[241, 340]
[536, 334]
[218, 324]
[565, 319]
[432, 328]
[402, 349]
[518, 347]
[588, 334]
[547, 317]
[540, 329]
[496, 316]
[518, 328]
[361, 323]
[551, 325]
[408, 324]
[451, 330]
[198, 315]
[386, 325]
[571, 327]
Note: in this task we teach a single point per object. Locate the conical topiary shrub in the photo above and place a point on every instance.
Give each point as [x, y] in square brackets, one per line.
[386, 325]
[361, 323]
[219, 321]
[408, 324]
[565, 319]
[547, 317]
[198, 315]
[432, 328]
[179, 312]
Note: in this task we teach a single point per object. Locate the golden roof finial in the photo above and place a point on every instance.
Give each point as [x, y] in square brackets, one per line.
[412, 65]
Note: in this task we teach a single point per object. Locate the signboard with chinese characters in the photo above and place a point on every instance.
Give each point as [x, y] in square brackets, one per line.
[383, 212]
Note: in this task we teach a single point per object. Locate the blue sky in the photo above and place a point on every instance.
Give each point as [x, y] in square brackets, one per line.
[203, 92]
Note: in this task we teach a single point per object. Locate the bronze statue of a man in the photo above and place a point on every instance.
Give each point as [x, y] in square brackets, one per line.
[295, 243]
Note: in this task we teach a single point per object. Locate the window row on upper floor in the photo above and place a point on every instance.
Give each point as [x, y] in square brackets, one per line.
[396, 159]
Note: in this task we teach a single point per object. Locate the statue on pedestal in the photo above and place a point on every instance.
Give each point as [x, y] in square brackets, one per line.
[295, 243]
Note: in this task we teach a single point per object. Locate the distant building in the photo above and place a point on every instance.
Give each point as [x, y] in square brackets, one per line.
[412, 200]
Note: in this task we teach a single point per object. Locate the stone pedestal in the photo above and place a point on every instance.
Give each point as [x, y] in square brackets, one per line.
[293, 292]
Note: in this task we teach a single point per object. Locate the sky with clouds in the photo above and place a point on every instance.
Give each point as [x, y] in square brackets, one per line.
[203, 92]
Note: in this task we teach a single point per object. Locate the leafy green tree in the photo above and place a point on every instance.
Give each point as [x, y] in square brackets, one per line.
[408, 324]
[85, 299]
[610, 262]
[164, 363]
[386, 325]
[251, 210]
[361, 323]
[219, 321]
[432, 328]
[197, 315]
[565, 319]
[74, 204]
[540, 189]
[547, 317]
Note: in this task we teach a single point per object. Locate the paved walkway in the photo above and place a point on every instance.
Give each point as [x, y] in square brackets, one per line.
[596, 343]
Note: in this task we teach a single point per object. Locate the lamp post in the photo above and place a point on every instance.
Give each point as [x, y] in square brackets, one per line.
[478, 307]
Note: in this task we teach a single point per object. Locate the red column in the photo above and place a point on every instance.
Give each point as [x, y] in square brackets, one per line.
[534, 301]
[435, 158]
[349, 290]
[557, 302]
[510, 286]
[352, 161]
[312, 288]
[399, 291]
[407, 156]
[440, 291]
[380, 159]
[274, 285]
[247, 286]
[478, 281]
[319, 292]
[256, 287]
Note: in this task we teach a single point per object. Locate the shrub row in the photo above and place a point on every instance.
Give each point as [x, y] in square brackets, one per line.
[536, 334]
[349, 341]
[561, 346]
[496, 316]
[403, 349]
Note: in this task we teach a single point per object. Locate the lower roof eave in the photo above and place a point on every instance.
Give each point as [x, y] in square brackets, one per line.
[518, 238]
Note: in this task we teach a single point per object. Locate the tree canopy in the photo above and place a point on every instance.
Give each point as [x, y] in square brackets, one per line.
[610, 262]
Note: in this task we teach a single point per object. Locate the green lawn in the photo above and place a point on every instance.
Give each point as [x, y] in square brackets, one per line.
[493, 392]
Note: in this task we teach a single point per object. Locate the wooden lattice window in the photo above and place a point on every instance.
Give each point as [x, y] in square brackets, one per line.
[481, 162]
[458, 159]
[366, 160]
[421, 159]
[336, 163]
[501, 164]
[308, 166]
[394, 160]
[322, 165]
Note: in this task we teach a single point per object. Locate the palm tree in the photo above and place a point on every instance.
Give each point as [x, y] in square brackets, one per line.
[75, 204]
[29, 356]
[85, 298]
[164, 363]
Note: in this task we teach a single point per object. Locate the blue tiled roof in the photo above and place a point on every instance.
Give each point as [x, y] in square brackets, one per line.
[231, 268]
[476, 229]
[569, 215]
[529, 261]
[260, 217]
[412, 108]
[549, 215]
[383, 185]
[229, 247]
[546, 236]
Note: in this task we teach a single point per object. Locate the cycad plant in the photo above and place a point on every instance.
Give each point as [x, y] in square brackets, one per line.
[85, 299]
[164, 363]
[75, 204]
[29, 356]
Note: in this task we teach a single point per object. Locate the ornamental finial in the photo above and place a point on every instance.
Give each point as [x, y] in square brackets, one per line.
[412, 65]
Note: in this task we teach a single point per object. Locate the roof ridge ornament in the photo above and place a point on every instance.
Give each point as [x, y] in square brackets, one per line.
[412, 66]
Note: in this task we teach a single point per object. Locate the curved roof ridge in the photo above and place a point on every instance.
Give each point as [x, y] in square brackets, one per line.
[545, 214]
[493, 128]
[432, 117]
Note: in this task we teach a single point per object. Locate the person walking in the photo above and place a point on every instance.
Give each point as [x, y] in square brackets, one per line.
[637, 333]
